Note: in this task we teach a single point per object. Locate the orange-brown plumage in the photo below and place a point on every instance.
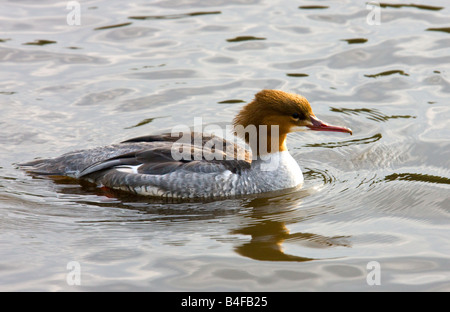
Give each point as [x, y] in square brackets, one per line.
[273, 108]
[287, 111]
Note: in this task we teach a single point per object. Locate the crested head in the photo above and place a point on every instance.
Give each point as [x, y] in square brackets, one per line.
[274, 107]
[287, 112]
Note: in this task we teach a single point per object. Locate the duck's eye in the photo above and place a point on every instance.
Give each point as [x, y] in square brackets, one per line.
[296, 115]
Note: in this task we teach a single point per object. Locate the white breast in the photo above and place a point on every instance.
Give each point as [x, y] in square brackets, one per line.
[276, 171]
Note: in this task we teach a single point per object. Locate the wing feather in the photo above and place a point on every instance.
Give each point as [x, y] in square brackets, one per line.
[159, 160]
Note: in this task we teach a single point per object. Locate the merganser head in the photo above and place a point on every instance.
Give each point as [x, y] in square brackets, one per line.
[290, 112]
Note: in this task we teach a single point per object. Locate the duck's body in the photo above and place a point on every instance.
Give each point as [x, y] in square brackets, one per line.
[147, 165]
[218, 182]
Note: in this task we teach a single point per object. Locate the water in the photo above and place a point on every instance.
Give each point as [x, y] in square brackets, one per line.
[131, 69]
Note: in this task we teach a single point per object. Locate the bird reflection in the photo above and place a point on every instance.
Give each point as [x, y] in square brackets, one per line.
[268, 233]
[266, 242]
[266, 222]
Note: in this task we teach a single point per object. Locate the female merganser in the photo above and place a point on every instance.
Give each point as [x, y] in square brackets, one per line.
[147, 166]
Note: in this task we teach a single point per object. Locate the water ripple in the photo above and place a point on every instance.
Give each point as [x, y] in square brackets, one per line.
[417, 177]
[368, 140]
[172, 16]
[372, 114]
[380, 195]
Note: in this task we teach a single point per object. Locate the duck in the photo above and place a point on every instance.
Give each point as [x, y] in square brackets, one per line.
[201, 165]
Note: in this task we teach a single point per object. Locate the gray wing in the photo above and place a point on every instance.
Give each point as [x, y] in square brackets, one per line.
[151, 168]
[147, 155]
[160, 160]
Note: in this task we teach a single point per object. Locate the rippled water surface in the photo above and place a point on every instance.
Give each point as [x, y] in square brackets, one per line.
[140, 67]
